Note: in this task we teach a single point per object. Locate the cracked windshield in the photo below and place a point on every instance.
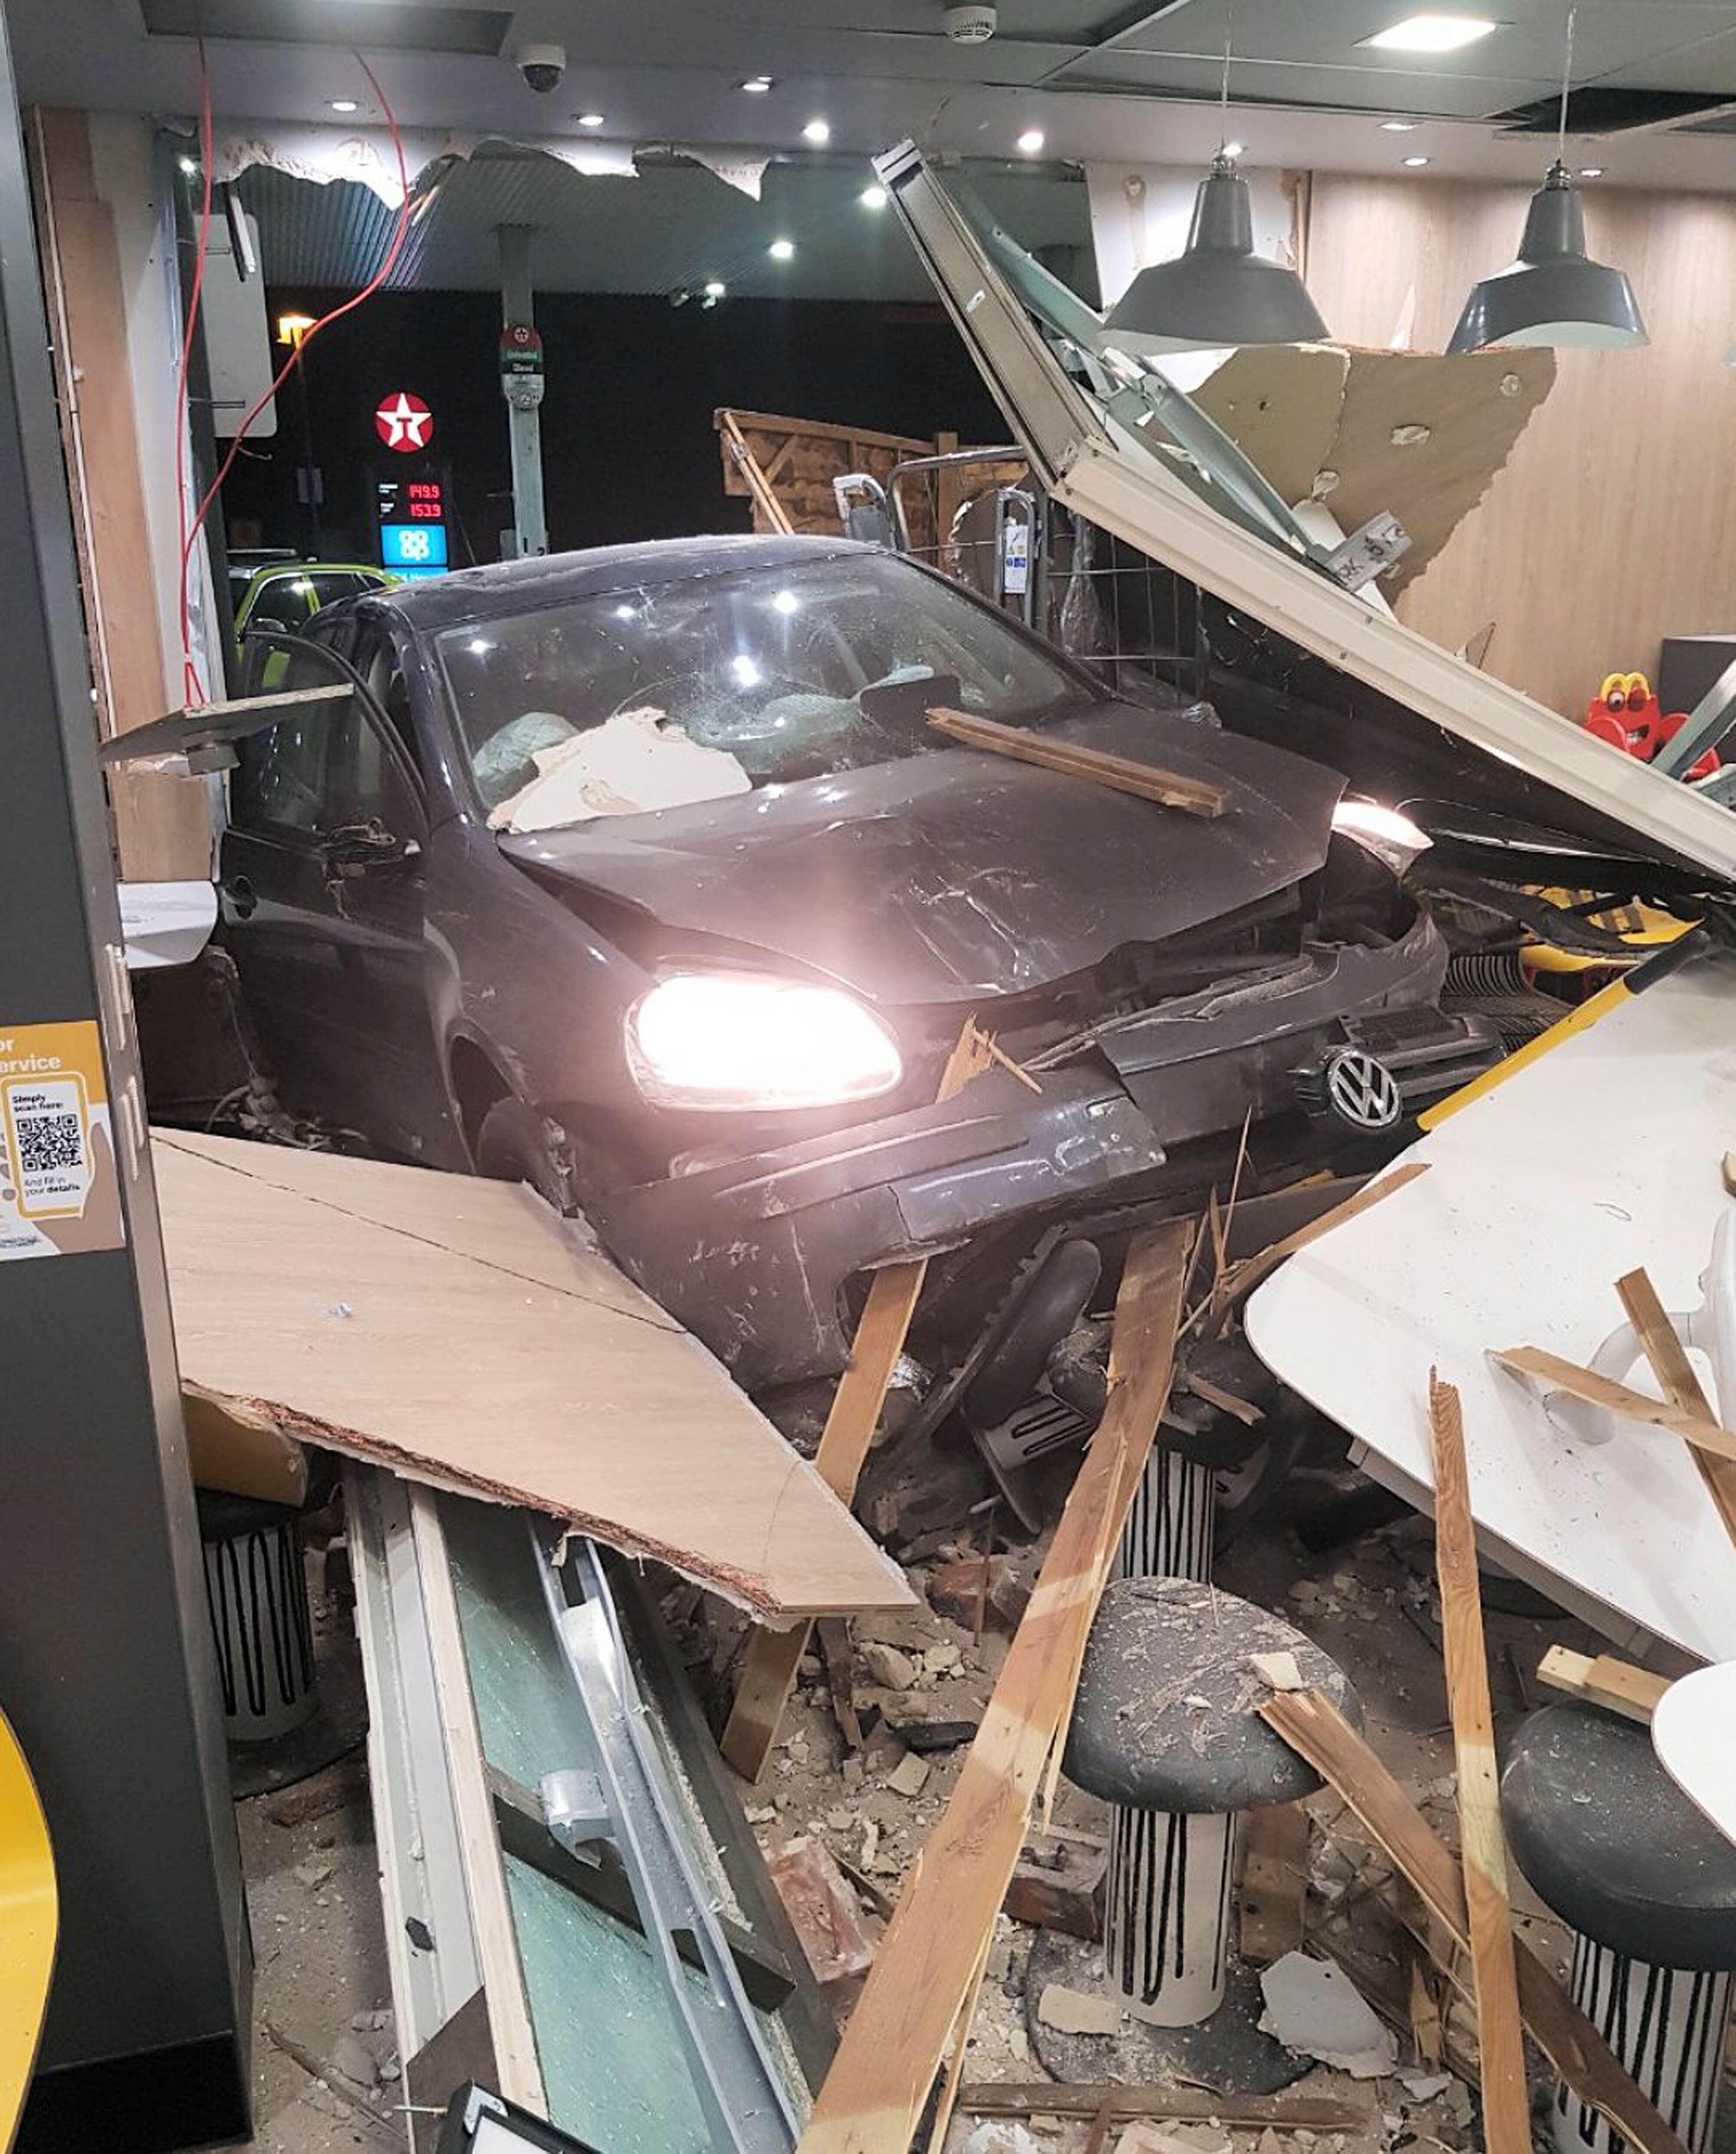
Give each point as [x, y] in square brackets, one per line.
[630, 700]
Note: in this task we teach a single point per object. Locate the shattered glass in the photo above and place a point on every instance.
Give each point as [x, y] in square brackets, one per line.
[796, 671]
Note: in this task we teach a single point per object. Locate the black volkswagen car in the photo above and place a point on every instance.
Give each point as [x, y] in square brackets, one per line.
[642, 874]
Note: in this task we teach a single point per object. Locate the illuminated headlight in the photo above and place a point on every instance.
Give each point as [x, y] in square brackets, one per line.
[719, 1040]
[1395, 837]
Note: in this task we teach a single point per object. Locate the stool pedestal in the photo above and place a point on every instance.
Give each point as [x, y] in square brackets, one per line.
[1667, 2026]
[1171, 1878]
[256, 1590]
[1165, 1730]
[1167, 1913]
[1647, 1884]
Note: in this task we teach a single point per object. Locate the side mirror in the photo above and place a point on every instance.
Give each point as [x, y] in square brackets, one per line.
[366, 849]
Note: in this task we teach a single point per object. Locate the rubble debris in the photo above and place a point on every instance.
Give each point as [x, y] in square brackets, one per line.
[984, 1585]
[926, 1720]
[1276, 1670]
[822, 1908]
[998, 2136]
[887, 1667]
[1078, 2011]
[1058, 1883]
[1146, 2137]
[910, 1775]
[1313, 2007]
[1424, 2086]
[316, 1871]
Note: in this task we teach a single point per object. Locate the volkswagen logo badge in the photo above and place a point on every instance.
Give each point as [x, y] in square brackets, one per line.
[1362, 1091]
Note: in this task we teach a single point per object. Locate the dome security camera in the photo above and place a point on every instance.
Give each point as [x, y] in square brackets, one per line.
[971, 25]
[542, 66]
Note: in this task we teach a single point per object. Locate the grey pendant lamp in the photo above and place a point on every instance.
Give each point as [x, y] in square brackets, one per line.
[1554, 294]
[1218, 291]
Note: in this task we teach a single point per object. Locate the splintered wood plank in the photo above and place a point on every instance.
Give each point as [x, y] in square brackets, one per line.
[768, 1668]
[1315, 1729]
[1694, 1428]
[1240, 1280]
[460, 1332]
[1600, 1679]
[1675, 1374]
[921, 1980]
[1501, 2050]
[1123, 774]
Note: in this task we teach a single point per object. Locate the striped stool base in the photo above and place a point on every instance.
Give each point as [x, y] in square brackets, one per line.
[1168, 1533]
[1667, 2025]
[256, 1591]
[1166, 1938]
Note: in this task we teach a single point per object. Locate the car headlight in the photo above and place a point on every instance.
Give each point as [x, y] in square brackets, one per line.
[1395, 837]
[718, 1040]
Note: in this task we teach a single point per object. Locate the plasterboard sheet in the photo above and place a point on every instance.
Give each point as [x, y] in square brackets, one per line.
[1601, 1156]
[1101, 469]
[463, 1334]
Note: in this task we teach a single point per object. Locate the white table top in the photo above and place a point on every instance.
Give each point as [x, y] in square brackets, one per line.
[1603, 1156]
[1693, 1732]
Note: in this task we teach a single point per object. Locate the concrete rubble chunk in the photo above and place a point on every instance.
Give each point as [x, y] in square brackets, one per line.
[910, 1776]
[1278, 1671]
[886, 1664]
[1079, 2011]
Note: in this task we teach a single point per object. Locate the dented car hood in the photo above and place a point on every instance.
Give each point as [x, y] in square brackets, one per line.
[956, 874]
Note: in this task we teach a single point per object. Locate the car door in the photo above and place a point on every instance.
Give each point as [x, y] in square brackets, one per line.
[321, 884]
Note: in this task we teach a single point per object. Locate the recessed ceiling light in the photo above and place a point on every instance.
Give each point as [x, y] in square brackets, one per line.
[1591, 172]
[818, 132]
[591, 119]
[1234, 149]
[715, 289]
[345, 104]
[1031, 141]
[873, 198]
[782, 250]
[1417, 164]
[1400, 126]
[1431, 33]
[757, 85]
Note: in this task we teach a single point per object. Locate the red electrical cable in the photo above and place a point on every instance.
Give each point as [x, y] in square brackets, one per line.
[191, 688]
[349, 306]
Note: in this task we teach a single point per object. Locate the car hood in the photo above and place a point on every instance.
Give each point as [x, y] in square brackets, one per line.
[957, 874]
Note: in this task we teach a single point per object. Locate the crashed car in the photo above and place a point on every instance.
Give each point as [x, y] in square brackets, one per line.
[642, 875]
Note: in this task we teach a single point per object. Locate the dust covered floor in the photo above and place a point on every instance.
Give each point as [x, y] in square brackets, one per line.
[326, 2073]
[1371, 1603]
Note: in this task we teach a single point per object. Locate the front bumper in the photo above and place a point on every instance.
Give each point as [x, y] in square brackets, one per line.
[753, 1256]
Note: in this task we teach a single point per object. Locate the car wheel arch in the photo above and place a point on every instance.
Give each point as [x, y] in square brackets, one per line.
[478, 1083]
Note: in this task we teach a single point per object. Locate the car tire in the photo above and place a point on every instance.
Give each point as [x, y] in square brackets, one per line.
[517, 1144]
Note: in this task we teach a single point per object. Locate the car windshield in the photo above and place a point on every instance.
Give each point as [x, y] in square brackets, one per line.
[656, 696]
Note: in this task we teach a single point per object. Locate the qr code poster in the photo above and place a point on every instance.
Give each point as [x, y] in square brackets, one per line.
[59, 1194]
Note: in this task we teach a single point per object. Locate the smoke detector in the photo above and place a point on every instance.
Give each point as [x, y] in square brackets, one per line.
[971, 25]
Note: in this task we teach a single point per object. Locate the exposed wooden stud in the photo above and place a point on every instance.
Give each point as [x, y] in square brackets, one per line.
[1242, 2111]
[1274, 1881]
[1506, 2102]
[1617, 1686]
[1697, 1429]
[1675, 1377]
[1314, 1727]
[1122, 773]
[768, 1667]
[909, 2008]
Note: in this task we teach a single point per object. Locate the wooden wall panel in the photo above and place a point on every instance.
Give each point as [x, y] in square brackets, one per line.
[1614, 523]
[162, 827]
